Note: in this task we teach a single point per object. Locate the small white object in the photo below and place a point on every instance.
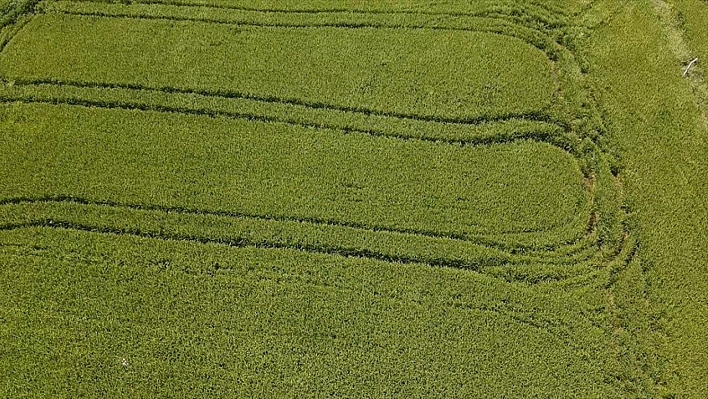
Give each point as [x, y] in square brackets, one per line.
[124, 362]
[690, 64]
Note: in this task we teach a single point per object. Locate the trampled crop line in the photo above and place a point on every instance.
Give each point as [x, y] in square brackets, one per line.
[540, 137]
[544, 47]
[545, 137]
[546, 325]
[19, 24]
[537, 116]
[241, 242]
[525, 14]
[477, 240]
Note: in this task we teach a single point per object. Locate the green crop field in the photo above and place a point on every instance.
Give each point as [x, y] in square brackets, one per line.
[353, 198]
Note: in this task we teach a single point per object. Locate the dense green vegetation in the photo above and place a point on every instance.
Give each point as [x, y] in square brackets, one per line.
[397, 72]
[245, 322]
[692, 16]
[278, 169]
[351, 198]
[655, 120]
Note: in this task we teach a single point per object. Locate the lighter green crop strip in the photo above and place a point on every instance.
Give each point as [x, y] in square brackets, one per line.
[235, 105]
[544, 119]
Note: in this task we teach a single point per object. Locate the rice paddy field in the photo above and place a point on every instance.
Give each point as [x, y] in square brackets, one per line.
[353, 198]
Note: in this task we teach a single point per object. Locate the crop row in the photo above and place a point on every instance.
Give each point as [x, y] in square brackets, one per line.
[368, 70]
[207, 228]
[574, 262]
[575, 265]
[156, 304]
[232, 105]
[571, 99]
[285, 169]
[536, 15]
[236, 16]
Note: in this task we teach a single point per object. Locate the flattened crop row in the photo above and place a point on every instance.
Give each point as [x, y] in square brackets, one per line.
[528, 14]
[234, 105]
[213, 228]
[578, 250]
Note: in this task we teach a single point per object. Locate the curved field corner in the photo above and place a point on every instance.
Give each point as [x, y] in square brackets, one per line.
[353, 198]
